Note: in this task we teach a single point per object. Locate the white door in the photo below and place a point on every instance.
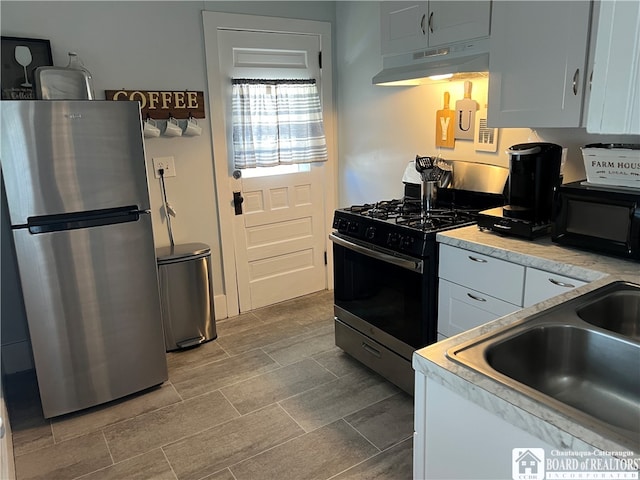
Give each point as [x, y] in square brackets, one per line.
[280, 237]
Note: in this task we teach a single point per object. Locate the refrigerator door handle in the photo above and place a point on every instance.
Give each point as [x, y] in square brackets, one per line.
[73, 221]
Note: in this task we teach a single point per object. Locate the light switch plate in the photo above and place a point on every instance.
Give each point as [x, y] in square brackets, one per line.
[166, 163]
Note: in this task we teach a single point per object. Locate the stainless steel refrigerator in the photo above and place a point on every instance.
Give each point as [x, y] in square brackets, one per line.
[76, 183]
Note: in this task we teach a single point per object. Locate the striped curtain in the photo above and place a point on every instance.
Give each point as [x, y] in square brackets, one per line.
[277, 122]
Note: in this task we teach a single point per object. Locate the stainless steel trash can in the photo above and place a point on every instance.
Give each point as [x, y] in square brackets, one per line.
[186, 295]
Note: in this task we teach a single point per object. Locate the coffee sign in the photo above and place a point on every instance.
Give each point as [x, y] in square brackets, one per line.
[161, 105]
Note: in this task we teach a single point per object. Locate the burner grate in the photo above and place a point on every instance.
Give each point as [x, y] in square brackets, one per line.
[434, 219]
[409, 213]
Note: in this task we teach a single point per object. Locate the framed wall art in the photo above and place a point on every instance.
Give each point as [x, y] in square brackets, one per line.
[20, 57]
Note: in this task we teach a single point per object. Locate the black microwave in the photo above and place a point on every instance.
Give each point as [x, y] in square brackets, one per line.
[598, 218]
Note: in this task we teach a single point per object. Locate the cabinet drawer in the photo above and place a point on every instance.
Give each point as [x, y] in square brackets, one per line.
[494, 277]
[541, 285]
[460, 308]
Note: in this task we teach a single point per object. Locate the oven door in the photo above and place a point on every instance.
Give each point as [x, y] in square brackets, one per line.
[381, 294]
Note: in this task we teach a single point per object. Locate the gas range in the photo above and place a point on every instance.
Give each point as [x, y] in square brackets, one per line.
[399, 225]
[385, 260]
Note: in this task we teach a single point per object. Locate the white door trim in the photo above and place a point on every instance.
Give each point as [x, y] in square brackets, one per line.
[212, 22]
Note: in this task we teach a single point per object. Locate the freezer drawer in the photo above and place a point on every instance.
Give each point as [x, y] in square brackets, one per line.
[72, 156]
[93, 310]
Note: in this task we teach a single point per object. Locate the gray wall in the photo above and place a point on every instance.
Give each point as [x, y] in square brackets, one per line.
[148, 46]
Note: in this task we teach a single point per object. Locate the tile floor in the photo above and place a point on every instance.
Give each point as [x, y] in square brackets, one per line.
[271, 398]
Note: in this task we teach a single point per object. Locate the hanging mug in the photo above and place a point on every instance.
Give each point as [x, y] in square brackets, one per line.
[173, 128]
[150, 128]
[192, 129]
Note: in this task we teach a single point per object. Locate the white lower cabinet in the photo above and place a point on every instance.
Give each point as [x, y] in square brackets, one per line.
[541, 285]
[483, 273]
[460, 308]
[456, 438]
[475, 288]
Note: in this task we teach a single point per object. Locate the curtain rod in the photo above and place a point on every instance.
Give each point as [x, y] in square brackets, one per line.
[269, 81]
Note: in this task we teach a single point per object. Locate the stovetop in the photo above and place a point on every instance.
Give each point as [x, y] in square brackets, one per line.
[399, 225]
[409, 213]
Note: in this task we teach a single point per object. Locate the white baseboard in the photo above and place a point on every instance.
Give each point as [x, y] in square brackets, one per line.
[220, 306]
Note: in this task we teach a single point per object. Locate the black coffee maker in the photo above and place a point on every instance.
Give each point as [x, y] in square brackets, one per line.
[534, 174]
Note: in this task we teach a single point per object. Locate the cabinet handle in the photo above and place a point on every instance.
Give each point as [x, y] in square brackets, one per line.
[561, 284]
[476, 259]
[431, 22]
[424, 17]
[590, 80]
[477, 299]
[576, 78]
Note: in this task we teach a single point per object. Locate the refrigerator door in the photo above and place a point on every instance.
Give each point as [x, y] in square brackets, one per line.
[93, 310]
[72, 156]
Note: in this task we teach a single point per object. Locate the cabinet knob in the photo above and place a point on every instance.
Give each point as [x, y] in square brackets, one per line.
[576, 79]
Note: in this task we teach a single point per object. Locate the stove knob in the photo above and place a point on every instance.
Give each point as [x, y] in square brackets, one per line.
[370, 232]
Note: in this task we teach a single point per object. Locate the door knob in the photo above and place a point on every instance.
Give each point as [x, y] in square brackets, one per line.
[237, 202]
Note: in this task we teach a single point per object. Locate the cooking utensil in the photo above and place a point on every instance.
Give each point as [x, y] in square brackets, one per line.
[424, 165]
[429, 195]
[445, 120]
[441, 173]
[465, 114]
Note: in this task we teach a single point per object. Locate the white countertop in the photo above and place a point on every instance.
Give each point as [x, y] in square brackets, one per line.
[520, 410]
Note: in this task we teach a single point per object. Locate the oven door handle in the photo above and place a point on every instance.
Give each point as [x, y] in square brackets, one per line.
[409, 264]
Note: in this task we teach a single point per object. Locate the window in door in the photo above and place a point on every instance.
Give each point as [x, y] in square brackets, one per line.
[277, 126]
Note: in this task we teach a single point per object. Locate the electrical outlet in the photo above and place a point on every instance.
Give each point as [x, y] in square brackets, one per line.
[166, 163]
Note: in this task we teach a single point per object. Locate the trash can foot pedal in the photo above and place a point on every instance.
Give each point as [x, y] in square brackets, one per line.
[191, 342]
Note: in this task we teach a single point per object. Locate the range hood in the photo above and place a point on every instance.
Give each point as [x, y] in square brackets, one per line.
[463, 60]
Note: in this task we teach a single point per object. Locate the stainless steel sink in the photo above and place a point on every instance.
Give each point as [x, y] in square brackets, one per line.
[581, 358]
[617, 310]
[595, 373]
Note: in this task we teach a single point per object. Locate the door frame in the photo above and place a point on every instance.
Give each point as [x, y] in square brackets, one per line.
[212, 22]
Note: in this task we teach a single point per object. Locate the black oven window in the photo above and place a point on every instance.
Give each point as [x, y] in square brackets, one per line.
[597, 220]
[382, 294]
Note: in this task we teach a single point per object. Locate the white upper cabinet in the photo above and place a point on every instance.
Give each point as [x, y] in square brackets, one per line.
[409, 26]
[614, 103]
[537, 63]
